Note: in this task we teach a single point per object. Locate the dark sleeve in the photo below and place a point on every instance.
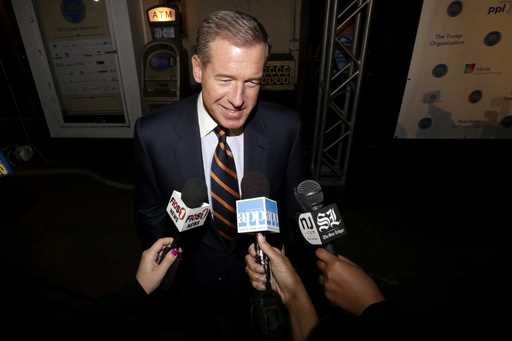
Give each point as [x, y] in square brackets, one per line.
[121, 314]
[150, 215]
[380, 311]
[382, 317]
[124, 304]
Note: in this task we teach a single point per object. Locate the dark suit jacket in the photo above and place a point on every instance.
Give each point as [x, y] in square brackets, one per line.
[168, 152]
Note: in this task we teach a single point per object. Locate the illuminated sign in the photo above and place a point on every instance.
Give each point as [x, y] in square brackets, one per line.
[5, 169]
[161, 14]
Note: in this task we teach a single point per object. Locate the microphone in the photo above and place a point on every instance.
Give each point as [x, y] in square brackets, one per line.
[257, 213]
[187, 210]
[319, 224]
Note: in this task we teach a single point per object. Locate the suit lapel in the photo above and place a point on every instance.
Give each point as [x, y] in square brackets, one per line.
[188, 149]
[255, 146]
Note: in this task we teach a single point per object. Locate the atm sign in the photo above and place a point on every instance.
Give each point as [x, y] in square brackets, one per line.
[161, 14]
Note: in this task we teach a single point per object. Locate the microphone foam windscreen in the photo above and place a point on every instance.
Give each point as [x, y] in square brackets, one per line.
[310, 192]
[194, 193]
[255, 184]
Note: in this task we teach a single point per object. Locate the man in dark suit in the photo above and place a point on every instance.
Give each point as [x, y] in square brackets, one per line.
[180, 142]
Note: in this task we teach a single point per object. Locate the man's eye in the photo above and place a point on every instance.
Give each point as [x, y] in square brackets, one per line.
[253, 84]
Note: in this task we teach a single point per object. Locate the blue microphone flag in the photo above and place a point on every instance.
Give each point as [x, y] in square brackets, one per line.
[257, 215]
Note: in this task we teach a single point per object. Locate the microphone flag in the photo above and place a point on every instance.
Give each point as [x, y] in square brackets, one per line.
[257, 215]
[184, 217]
[322, 226]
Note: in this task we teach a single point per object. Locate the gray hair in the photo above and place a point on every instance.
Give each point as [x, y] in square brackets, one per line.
[240, 29]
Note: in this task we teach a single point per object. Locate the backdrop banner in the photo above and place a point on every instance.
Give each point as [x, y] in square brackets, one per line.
[460, 78]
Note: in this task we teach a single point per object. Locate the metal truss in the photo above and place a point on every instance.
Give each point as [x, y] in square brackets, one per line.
[342, 66]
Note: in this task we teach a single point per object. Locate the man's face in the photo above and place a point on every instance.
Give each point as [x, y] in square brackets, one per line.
[230, 81]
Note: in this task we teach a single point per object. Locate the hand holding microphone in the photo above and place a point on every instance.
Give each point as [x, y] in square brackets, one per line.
[153, 266]
[284, 280]
[257, 213]
[346, 284]
[187, 210]
[288, 285]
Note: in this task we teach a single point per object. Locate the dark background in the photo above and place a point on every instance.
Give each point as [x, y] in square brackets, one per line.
[426, 218]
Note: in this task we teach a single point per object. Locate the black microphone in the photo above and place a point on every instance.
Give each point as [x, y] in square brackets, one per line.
[269, 316]
[187, 210]
[319, 224]
[309, 195]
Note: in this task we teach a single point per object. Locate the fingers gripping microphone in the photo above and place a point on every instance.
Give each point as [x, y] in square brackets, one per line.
[257, 213]
[187, 210]
[320, 225]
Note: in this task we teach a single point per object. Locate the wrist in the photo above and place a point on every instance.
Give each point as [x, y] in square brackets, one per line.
[143, 285]
[295, 295]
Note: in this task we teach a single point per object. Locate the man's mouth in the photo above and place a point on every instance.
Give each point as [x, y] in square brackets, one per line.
[232, 112]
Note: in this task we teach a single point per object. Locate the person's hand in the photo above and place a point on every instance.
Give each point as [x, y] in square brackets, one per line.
[287, 284]
[150, 273]
[346, 284]
[285, 280]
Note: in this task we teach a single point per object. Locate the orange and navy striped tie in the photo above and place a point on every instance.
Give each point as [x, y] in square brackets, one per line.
[224, 187]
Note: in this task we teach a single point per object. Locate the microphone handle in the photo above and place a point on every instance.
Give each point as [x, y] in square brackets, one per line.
[330, 247]
[172, 271]
[263, 260]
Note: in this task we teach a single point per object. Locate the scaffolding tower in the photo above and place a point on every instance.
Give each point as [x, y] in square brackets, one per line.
[345, 37]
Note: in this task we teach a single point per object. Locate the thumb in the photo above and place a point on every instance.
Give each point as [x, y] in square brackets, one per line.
[325, 255]
[159, 244]
[271, 252]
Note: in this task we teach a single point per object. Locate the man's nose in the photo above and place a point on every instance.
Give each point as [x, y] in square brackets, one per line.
[236, 97]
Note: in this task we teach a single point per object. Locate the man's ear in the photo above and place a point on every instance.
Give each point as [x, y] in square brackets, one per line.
[196, 68]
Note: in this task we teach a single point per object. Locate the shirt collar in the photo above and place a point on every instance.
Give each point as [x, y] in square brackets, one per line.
[206, 122]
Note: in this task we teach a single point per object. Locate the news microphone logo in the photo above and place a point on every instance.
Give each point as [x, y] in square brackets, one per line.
[186, 218]
[257, 215]
[322, 226]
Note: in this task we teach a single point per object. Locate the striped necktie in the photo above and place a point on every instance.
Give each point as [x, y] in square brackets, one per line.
[224, 187]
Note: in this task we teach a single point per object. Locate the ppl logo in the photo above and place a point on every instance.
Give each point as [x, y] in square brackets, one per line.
[496, 10]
